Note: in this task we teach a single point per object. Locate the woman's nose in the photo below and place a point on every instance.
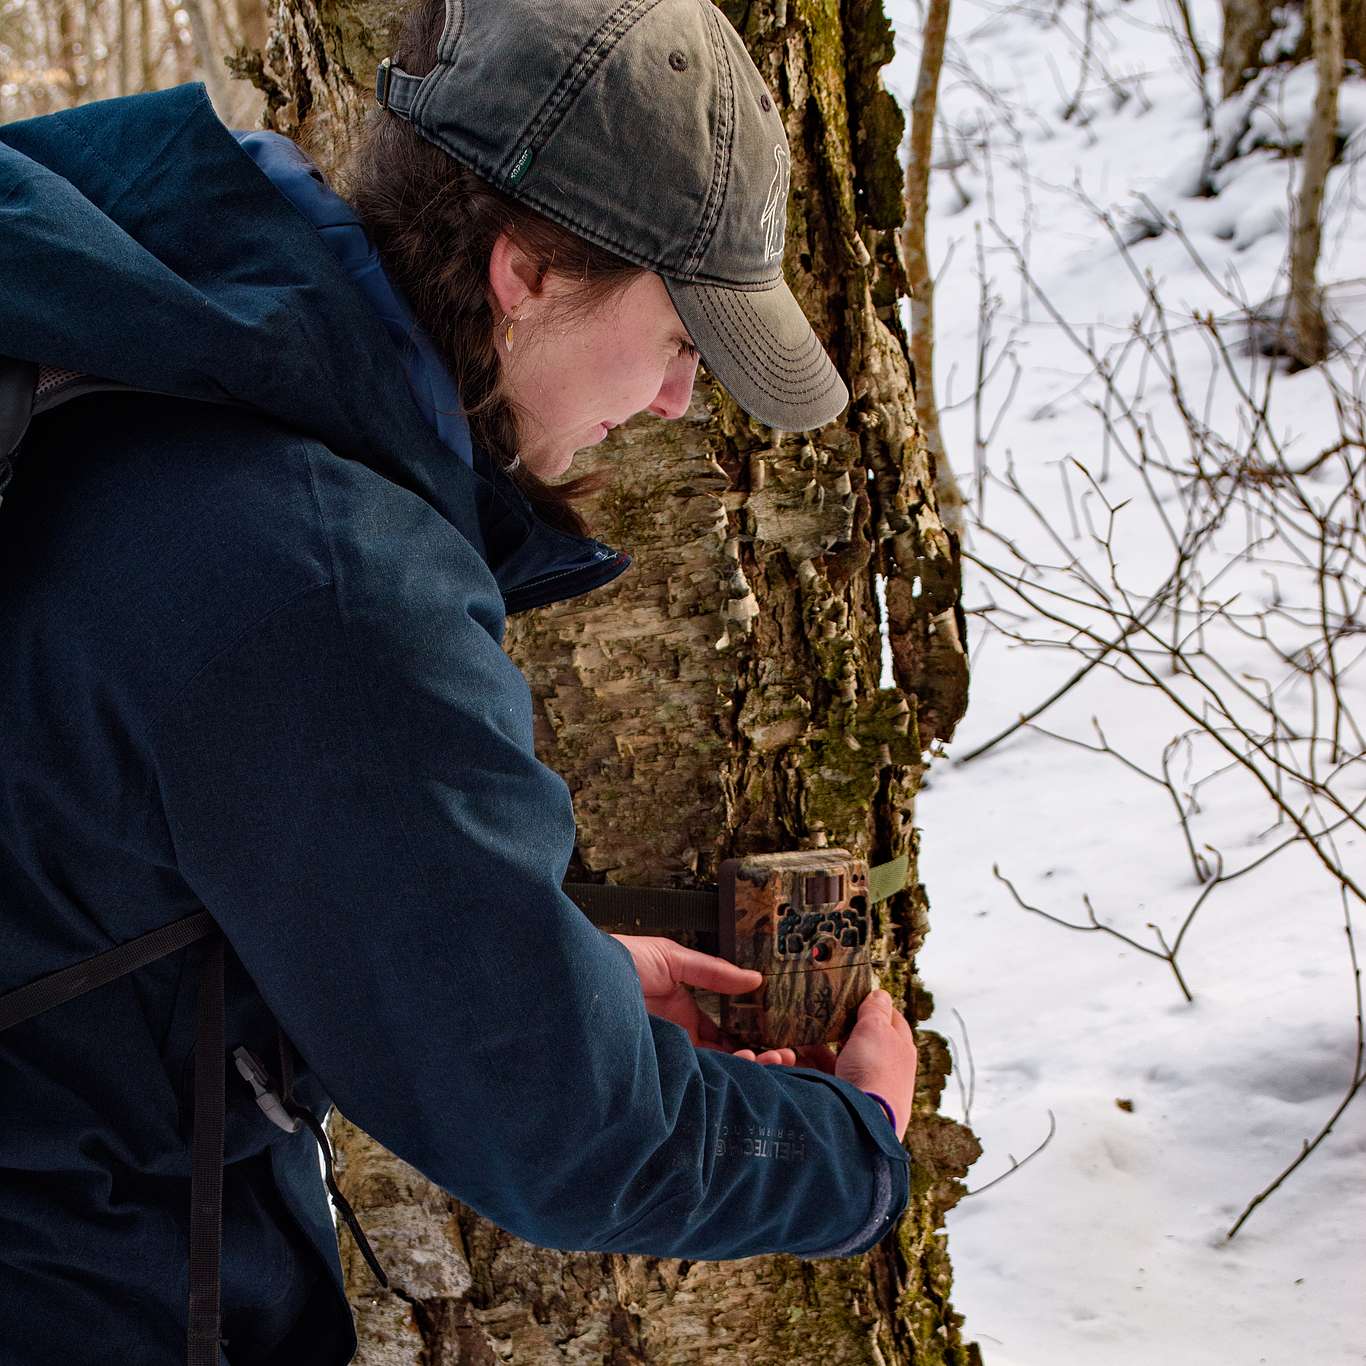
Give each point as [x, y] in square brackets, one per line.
[676, 392]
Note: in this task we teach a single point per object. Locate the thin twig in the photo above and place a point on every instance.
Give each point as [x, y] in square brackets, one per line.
[1014, 1165]
[1167, 955]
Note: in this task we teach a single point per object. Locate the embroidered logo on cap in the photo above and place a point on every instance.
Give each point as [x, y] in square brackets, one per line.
[774, 221]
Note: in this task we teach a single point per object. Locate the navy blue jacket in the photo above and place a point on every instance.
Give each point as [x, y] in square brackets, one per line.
[250, 661]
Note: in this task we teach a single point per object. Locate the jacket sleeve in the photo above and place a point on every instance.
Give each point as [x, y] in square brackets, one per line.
[352, 792]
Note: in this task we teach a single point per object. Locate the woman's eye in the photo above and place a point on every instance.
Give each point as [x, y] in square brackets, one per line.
[688, 350]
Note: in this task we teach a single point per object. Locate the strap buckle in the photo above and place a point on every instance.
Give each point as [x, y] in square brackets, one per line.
[271, 1105]
[395, 89]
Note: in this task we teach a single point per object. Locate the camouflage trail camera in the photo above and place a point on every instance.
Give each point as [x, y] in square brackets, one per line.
[804, 920]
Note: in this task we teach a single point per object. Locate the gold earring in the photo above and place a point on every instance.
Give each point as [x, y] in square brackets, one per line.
[507, 336]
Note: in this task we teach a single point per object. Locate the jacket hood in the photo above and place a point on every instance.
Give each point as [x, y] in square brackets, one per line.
[146, 244]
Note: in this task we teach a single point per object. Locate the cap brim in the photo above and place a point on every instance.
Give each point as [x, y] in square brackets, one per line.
[759, 344]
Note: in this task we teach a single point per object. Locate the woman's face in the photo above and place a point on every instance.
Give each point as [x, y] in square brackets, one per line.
[574, 373]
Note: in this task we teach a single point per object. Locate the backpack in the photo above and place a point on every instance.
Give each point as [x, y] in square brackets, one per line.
[27, 390]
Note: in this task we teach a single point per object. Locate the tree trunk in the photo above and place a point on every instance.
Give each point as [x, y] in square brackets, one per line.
[1249, 23]
[723, 697]
[123, 85]
[182, 49]
[146, 66]
[68, 65]
[918, 276]
[1308, 339]
[210, 59]
[317, 70]
[252, 23]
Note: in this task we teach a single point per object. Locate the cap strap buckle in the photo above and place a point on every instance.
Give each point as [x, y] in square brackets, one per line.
[395, 89]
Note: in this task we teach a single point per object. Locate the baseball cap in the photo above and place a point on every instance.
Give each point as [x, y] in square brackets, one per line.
[645, 127]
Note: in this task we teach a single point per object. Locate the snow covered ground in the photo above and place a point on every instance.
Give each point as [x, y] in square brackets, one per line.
[1110, 1245]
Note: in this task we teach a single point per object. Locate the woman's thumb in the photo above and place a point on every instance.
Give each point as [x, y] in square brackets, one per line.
[877, 1005]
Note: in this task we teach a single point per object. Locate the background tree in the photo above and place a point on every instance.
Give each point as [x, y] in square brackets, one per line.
[1259, 32]
[1309, 338]
[1261, 42]
[55, 53]
[919, 278]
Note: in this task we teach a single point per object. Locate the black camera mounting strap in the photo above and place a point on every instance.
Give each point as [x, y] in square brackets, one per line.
[659, 910]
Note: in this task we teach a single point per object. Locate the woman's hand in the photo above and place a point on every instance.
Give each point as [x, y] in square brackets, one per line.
[666, 971]
[880, 1056]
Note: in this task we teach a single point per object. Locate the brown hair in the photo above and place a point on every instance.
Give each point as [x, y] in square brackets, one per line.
[434, 222]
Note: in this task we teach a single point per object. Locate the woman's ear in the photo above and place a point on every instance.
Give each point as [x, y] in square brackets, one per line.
[513, 276]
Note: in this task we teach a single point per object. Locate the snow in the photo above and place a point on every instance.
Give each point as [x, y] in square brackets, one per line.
[1109, 1246]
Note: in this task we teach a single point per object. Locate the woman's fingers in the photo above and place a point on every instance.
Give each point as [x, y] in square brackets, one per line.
[696, 969]
[770, 1057]
[879, 1056]
[818, 1056]
[660, 963]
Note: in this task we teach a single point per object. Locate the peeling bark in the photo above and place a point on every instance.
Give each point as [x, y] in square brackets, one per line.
[317, 71]
[723, 697]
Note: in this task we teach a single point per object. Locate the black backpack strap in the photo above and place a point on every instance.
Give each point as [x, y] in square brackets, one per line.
[28, 390]
[206, 1159]
[59, 987]
[206, 1154]
[339, 1201]
[210, 1102]
[281, 1109]
[18, 380]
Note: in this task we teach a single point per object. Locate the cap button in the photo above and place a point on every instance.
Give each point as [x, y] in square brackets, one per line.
[678, 61]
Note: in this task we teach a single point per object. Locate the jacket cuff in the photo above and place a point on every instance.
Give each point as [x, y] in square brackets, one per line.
[891, 1191]
[892, 1175]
